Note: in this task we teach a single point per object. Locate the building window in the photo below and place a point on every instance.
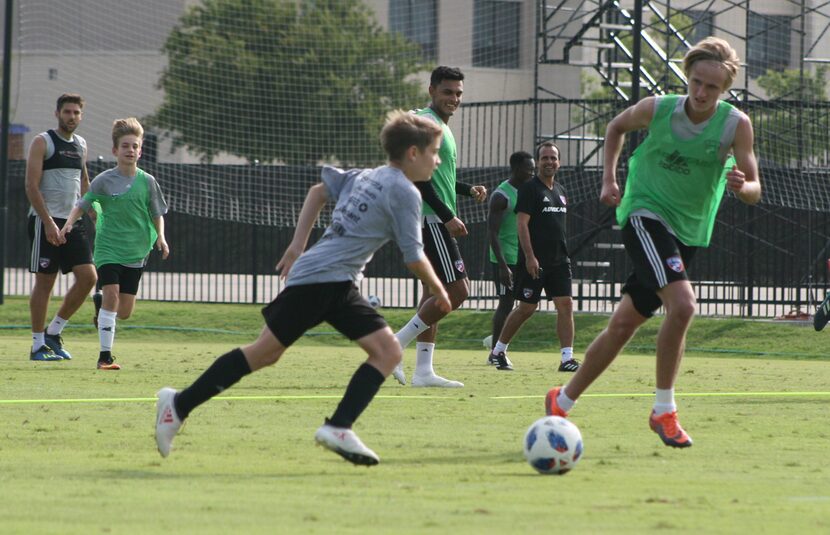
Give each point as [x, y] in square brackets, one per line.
[416, 20]
[703, 25]
[496, 26]
[767, 43]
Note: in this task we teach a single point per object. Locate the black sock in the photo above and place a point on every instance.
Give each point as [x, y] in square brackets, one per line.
[362, 388]
[225, 372]
[105, 356]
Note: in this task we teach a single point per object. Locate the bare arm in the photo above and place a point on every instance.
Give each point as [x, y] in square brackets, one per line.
[636, 117]
[316, 198]
[34, 174]
[531, 262]
[495, 217]
[743, 179]
[423, 270]
[161, 242]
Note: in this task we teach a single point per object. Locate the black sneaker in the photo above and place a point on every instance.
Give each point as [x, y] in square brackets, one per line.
[97, 299]
[503, 363]
[492, 359]
[45, 353]
[822, 314]
[55, 343]
[569, 366]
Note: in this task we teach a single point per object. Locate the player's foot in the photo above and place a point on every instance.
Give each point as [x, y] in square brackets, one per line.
[55, 343]
[97, 299]
[345, 443]
[108, 364]
[822, 315]
[433, 380]
[168, 422]
[44, 354]
[551, 406]
[399, 374]
[502, 362]
[669, 430]
[570, 365]
[492, 360]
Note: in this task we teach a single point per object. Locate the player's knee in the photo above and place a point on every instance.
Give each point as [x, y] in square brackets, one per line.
[622, 328]
[564, 305]
[683, 308]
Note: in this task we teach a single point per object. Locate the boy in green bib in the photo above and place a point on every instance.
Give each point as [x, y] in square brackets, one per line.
[130, 221]
[697, 146]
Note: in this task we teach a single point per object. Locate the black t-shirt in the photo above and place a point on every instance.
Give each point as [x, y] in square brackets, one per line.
[548, 209]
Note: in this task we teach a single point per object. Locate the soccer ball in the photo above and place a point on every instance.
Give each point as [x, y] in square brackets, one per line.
[553, 445]
[374, 301]
[488, 341]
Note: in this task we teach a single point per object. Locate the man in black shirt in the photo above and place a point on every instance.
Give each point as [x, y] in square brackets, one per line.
[541, 210]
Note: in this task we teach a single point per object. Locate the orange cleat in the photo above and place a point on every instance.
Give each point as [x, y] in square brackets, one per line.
[669, 430]
[551, 407]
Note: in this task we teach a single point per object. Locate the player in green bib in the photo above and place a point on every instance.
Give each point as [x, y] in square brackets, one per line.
[130, 222]
[676, 180]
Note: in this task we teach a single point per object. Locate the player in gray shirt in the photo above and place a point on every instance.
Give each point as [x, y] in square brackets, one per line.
[373, 206]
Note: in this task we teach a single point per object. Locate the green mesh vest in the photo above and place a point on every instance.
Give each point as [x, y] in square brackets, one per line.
[124, 230]
[508, 234]
[682, 181]
[443, 179]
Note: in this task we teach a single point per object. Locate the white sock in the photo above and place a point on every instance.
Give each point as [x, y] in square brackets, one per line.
[664, 401]
[567, 354]
[411, 330]
[37, 341]
[106, 328]
[57, 325]
[565, 403]
[501, 347]
[423, 364]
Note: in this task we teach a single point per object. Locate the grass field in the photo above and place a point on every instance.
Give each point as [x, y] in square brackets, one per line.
[77, 453]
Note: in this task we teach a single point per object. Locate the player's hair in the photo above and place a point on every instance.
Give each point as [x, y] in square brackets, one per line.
[72, 98]
[547, 144]
[715, 49]
[403, 130]
[442, 73]
[126, 127]
[518, 158]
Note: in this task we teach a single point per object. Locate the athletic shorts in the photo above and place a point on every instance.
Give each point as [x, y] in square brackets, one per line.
[554, 280]
[658, 257]
[299, 308]
[501, 289]
[127, 278]
[442, 251]
[48, 258]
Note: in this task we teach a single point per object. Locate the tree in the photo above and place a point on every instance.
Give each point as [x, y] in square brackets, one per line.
[296, 81]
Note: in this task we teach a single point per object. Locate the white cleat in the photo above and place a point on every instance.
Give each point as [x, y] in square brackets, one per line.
[398, 374]
[167, 421]
[345, 443]
[433, 380]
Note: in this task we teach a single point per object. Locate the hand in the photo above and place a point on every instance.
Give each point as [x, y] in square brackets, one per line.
[288, 258]
[479, 193]
[161, 245]
[53, 233]
[67, 228]
[442, 300]
[735, 179]
[506, 276]
[532, 265]
[456, 227]
[610, 194]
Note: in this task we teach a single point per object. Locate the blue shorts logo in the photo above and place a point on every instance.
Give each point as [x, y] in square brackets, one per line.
[527, 292]
[459, 266]
[675, 263]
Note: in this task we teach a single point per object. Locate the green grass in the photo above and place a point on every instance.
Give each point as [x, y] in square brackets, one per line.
[450, 459]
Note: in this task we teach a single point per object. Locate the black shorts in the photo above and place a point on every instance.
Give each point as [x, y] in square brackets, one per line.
[659, 259]
[48, 258]
[127, 278]
[442, 251]
[501, 289]
[555, 280]
[299, 308]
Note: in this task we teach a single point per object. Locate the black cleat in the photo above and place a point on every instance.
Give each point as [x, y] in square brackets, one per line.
[569, 366]
[822, 314]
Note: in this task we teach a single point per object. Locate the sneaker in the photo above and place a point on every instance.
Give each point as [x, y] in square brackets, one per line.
[398, 374]
[822, 315]
[108, 364]
[97, 299]
[45, 353]
[502, 362]
[551, 407]
[433, 380]
[669, 430]
[55, 343]
[345, 443]
[492, 359]
[168, 422]
[569, 366]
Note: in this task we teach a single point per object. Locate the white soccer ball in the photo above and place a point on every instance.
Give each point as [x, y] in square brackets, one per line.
[553, 445]
[488, 341]
[374, 301]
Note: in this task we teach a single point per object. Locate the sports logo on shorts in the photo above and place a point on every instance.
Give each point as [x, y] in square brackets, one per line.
[675, 263]
[44, 263]
[527, 292]
[459, 266]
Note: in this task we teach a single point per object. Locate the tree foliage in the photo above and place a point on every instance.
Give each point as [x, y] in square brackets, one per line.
[296, 81]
